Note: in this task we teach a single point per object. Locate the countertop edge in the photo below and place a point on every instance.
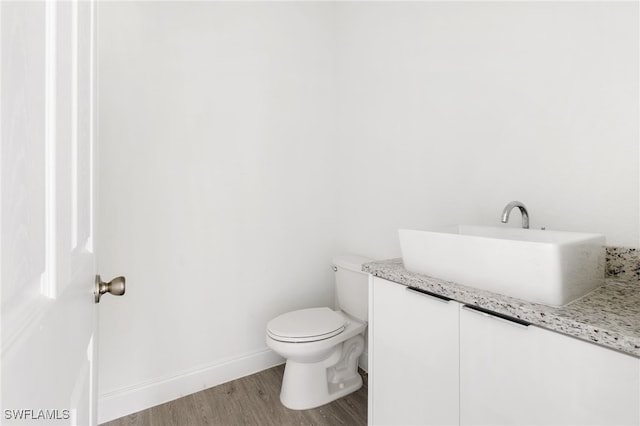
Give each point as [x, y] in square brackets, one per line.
[580, 319]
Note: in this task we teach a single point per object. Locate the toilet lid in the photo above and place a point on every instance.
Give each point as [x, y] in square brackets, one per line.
[306, 325]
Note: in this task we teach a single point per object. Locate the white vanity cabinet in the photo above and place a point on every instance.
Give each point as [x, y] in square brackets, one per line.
[438, 362]
[512, 374]
[413, 354]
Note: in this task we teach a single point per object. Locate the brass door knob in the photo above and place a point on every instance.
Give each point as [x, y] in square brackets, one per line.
[116, 287]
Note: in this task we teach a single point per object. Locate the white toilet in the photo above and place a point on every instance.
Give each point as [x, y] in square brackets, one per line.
[322, 346]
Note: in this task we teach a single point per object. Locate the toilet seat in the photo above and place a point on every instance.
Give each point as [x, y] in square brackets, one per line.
[306, 325]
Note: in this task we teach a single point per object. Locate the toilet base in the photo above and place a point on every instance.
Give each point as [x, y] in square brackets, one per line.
[310, 385]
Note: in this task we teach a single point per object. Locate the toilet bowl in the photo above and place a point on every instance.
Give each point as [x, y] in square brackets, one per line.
[322, 346]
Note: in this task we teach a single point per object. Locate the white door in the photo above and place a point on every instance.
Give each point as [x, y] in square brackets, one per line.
[413, 372]
[48, 358]
[513, 374]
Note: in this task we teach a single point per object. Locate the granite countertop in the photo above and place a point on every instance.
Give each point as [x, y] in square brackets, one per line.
[608, 316]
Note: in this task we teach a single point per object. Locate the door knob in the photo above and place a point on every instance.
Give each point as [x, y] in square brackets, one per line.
[115, 286]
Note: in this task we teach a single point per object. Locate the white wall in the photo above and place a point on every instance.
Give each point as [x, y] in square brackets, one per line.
[216, 193]
[243, 144]
[448, 111]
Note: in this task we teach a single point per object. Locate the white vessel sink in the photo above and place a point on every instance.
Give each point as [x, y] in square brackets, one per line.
[548, 267]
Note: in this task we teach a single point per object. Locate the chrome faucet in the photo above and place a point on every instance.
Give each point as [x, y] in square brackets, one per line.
[523, 210]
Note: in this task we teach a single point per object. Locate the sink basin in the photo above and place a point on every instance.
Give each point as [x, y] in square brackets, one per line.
[548, 267]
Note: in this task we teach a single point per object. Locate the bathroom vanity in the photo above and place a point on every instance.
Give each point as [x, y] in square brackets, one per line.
[442, 353]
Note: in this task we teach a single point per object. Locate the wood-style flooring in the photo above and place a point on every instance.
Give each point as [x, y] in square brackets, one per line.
[251, 400]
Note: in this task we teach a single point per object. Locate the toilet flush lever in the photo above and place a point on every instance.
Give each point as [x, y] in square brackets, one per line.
[116, 287]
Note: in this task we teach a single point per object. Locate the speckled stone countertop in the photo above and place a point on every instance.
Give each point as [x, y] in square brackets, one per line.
[608, 316]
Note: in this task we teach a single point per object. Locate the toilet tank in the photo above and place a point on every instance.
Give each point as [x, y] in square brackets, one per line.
[352, 285]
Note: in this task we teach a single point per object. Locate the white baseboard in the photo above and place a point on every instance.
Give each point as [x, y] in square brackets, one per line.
[122, 402]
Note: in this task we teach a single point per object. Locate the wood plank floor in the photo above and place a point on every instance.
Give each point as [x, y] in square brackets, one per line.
[251, 400]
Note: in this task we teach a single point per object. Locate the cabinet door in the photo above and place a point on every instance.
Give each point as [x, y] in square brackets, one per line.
[414, 357]
[516, 375]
